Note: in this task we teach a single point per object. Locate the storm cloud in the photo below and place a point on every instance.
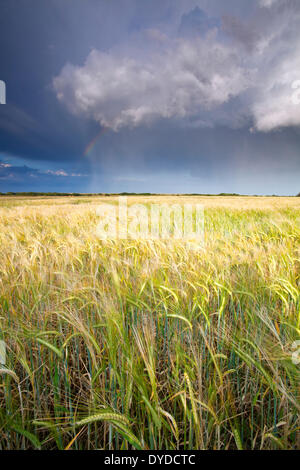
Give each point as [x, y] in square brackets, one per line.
[191, 78]
[132, 95]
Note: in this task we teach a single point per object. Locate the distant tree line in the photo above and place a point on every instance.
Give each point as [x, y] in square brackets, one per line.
[56, 194]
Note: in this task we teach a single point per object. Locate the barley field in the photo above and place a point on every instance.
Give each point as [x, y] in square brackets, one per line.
[135, 344]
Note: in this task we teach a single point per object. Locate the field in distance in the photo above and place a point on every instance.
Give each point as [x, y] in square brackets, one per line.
[132, 344]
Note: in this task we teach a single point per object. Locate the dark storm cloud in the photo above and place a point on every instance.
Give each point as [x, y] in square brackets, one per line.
[197, 22]
[37, 38]
[194, 87]
[194, 76]
[32, 124]
[240, 31]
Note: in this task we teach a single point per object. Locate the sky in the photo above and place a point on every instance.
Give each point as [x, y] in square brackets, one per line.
[162, 96]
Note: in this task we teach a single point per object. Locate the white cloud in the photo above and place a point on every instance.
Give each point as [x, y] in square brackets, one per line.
[267, 3]
[62, 173]
[275, 106]
[194, 79]
[187, 76]
[56, 173]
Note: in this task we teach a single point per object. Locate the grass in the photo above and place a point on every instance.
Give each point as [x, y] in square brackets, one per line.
[149, 345]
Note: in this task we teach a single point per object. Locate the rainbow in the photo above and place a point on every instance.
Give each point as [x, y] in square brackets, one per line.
[93, 142]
